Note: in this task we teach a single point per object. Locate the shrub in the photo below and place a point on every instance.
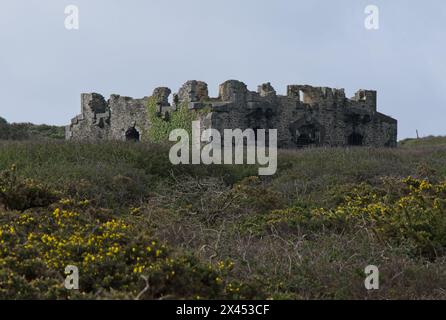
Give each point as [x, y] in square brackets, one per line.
[17, 193]
[111, 254]
[410, 210]
[29, 131]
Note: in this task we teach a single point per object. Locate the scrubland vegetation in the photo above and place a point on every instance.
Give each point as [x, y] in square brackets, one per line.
[138, 227]
[29, 131]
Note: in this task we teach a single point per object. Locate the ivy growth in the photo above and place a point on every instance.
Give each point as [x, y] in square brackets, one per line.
[160, 127]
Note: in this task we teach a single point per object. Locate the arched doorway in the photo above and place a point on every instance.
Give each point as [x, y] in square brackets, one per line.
[355, 139]
[132, 135]
[307, 133]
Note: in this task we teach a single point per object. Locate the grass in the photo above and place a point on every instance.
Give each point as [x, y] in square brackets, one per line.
[427, 141]
[220, 223]
[27, 131]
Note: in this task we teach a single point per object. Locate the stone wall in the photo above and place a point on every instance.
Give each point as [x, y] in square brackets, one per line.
[306, 116]
[115, 119]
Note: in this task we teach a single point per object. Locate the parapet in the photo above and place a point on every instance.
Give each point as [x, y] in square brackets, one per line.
[367, 98]
[93, 103]
[316, 95]
[233, 91]
[266, 90]
[161, 95]
[193, 91]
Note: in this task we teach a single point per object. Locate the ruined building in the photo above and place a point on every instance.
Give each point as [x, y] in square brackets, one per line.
[306, 116]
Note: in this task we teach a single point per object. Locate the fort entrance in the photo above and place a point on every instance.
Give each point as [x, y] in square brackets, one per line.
[132, 135]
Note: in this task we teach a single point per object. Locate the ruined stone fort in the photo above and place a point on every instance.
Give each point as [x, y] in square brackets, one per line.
[305, 116]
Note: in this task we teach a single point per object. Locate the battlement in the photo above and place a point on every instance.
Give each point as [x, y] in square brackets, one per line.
[196, 92]
[305, 116]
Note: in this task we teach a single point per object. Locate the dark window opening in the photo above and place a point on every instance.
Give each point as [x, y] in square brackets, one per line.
[304, 140]
[353, 118]
[366, 119]
[258, 114]
[307, 135]
[355, 139]
[269, 113]
[132, 135]
[101, 123]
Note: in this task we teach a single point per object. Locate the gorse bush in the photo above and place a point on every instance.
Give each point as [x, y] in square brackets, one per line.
[412, 210]
[37, 245]
[17, 193]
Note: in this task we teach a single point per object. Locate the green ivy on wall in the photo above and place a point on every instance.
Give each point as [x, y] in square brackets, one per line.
[181, 118]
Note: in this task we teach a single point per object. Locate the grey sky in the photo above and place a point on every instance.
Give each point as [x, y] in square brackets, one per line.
[130, 47]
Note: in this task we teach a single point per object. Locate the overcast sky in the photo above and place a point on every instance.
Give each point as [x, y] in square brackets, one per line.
[130, 47]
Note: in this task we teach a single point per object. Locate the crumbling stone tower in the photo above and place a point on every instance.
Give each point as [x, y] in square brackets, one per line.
[306, 116]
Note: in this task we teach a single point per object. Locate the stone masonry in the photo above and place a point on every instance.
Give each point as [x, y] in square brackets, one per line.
[306, 116]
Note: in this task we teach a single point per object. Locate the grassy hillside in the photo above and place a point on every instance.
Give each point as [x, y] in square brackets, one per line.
[29, 131]
[423, 142]
[136, 226]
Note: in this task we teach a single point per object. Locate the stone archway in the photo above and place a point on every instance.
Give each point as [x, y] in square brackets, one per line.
[355, 139]
[132, 135]
[306, 133]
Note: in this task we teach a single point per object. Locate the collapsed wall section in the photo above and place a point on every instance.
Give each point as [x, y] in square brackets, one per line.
[128, 118]
[94, 121]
